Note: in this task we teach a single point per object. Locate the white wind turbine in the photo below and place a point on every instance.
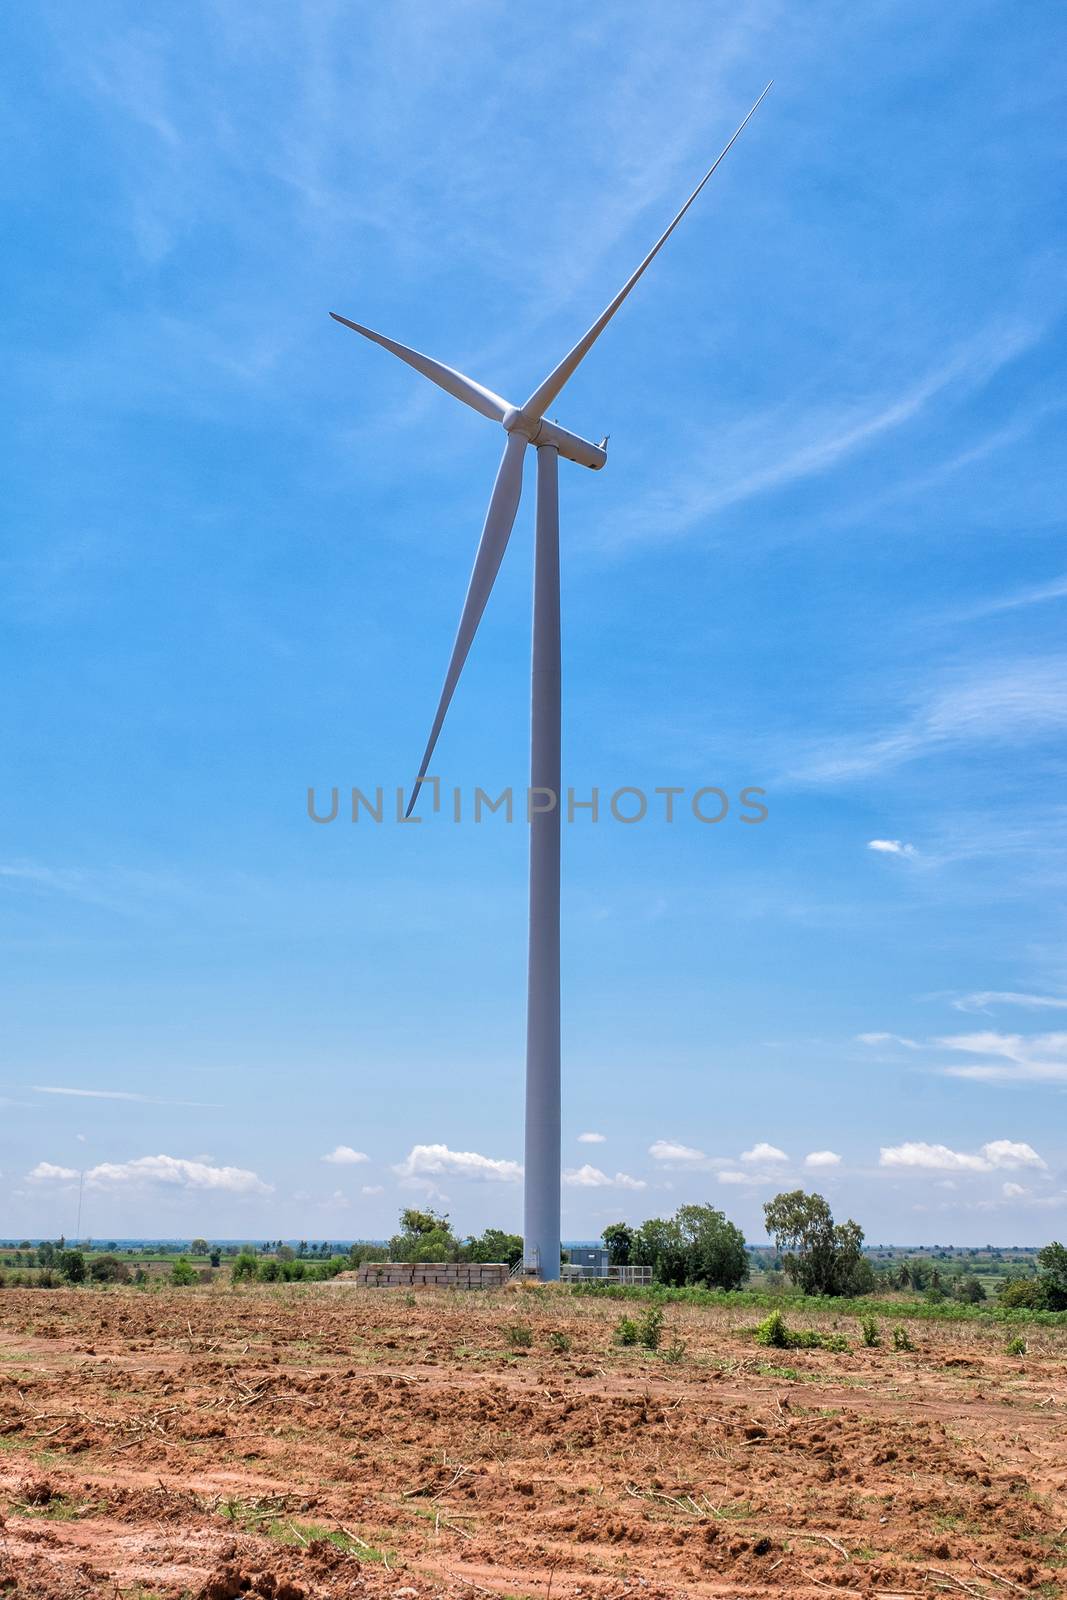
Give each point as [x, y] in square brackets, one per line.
[525, 425]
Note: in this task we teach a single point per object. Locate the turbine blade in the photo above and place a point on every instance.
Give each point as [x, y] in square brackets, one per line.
[447, 378]
[499, 520]
[543, 397]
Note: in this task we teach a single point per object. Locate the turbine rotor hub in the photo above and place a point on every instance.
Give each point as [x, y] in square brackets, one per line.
[515, 420]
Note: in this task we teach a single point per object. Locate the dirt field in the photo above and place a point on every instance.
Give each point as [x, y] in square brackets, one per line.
[329, 1441]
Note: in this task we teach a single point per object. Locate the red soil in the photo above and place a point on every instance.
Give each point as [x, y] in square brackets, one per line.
[168, 1445]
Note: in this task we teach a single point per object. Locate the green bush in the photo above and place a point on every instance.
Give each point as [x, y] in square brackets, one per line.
[651, 1327]
[901, 1338]
[519, 1335]
[774, 1332]
[1015, 1347]
[675, 1352]
[559, 1341]
[182, 1274]
[627, 1331]
[245, 1267]
[871, 1332]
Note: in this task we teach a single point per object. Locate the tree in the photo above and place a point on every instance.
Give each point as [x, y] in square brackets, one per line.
[494, 1245]
[108, 1269]
[198, 1247]
[285, 1252]
[424, 1236]
[970, 1290]
[1022, 1293]
[619, 1237]
[71, 1264]
[1052, 1269]
[696, 1245]
[821, 1256]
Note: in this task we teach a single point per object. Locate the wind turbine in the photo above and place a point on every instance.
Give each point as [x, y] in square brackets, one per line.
[525, 425]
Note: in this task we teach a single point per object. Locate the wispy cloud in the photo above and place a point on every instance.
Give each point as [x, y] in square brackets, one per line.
[1034, 595]
[1009, 1057]
[123, 1094]
[591, 1138]
[890, 847]
[791, 443]
[1005, 705]
[989, 999]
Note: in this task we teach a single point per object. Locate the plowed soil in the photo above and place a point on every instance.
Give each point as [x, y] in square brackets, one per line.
[327, 1441]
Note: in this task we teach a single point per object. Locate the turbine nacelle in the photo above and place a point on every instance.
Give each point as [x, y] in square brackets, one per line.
[539, 431]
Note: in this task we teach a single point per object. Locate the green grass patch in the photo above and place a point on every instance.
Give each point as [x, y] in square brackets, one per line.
[272, 1524]
[753, 1300]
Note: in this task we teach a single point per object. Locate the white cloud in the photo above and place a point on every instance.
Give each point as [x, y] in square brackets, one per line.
[668, 1150]
[888, 1038]
[372, 1188]
[344, 1156]
[891, 847]
[1040, 1058]
[822, 1158]
[1012, 1191]
[175, 1171]
[998, 1153]
[764, 1152]
[588, 1177]
[424, 1159]
[591, 1138]
[736, 1177]
[987, 998]
[46, 1169]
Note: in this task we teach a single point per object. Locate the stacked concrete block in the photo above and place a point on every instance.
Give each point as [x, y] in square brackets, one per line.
[440, 1274]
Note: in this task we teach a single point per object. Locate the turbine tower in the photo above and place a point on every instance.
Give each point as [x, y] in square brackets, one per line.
[525, 425]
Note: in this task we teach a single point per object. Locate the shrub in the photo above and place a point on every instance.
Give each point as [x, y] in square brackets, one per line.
[182, 1274]
[675, 1352]
[245, 1267]
[627, 1331]
[870, 1330]
[1023, 1294]
[519, 1335]
[560, 1342]
[773, 1332]
[651, 1327]
[901, 1338]
[1015, 1347]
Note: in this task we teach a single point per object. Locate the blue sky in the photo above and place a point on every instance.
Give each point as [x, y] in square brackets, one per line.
[825, 558]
